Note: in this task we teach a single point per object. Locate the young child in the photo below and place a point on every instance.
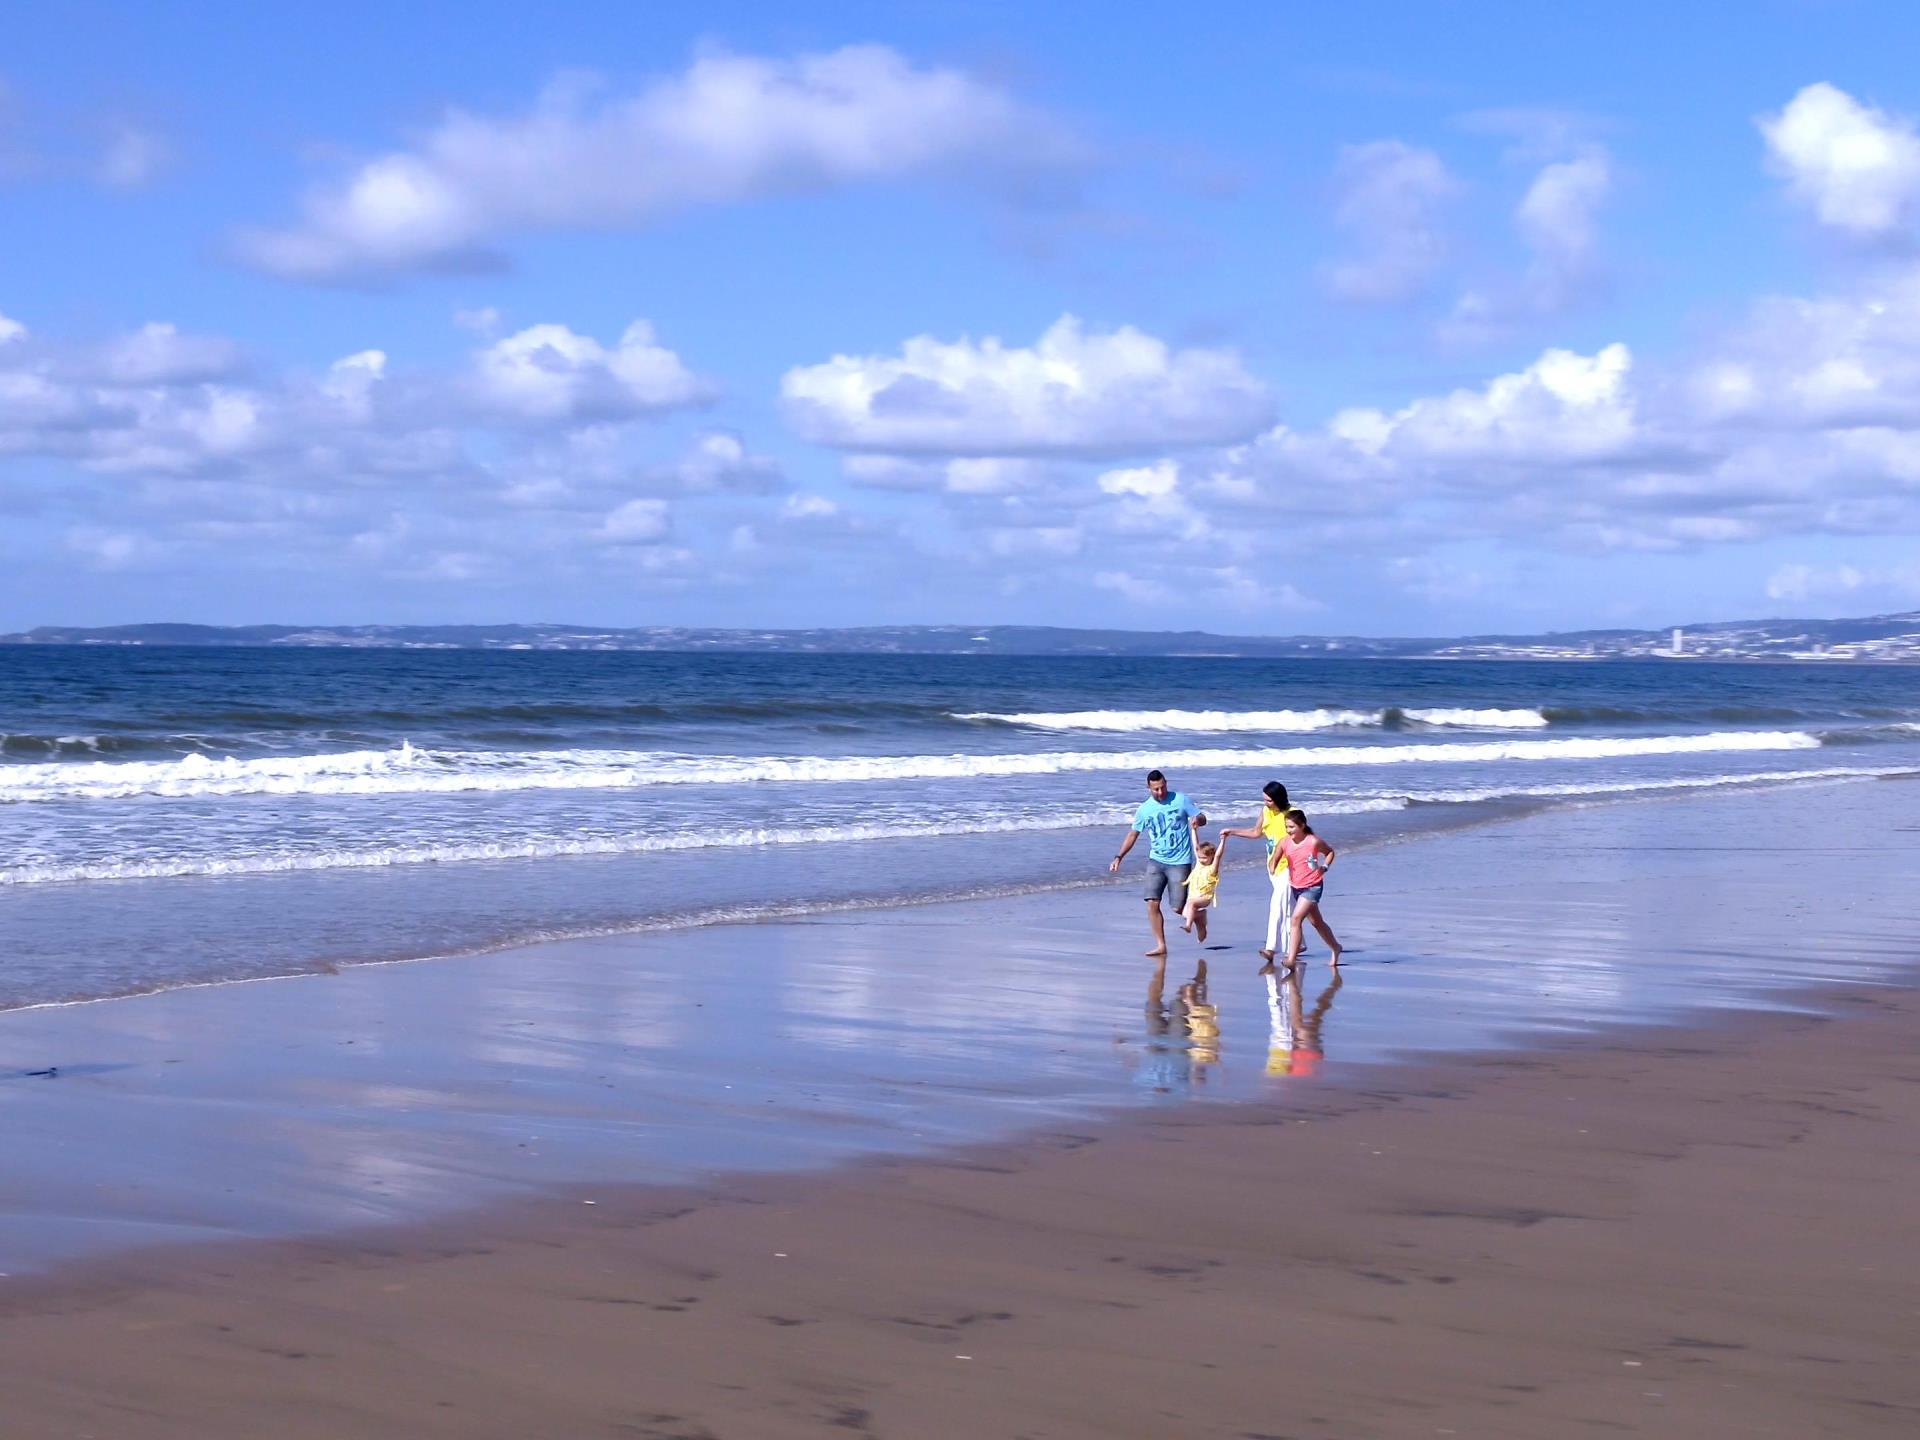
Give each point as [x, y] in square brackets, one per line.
[1307, 858]
[1204, 880]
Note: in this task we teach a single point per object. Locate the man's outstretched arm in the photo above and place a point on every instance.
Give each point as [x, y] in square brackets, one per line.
[1125, 846]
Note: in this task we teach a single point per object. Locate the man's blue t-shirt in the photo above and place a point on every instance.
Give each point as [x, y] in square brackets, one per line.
[1164, 823]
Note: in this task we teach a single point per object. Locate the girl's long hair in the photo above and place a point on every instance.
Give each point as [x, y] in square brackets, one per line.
[1299, 817]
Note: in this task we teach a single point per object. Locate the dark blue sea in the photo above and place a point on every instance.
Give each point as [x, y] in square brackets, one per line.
[183, 816]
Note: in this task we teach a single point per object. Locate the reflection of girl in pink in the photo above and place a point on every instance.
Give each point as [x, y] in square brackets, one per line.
[1307, 858]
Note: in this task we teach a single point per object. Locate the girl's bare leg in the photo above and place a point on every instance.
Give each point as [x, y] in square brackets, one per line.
[1326, 934]
[1187, 914]
[1294, 922]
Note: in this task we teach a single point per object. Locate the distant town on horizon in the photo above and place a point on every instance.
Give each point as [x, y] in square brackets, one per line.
[1879, 639]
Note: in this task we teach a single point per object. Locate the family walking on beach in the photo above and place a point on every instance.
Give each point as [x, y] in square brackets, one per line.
[1181, 864]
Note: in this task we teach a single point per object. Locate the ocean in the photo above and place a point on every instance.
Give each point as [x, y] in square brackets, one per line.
[186, 816]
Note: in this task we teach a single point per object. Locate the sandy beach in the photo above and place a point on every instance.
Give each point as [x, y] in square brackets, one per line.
[1579, 1220]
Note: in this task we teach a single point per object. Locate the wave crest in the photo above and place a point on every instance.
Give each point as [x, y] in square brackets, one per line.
[414, 770]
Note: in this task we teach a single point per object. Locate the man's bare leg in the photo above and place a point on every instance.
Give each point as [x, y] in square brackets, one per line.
[1157, 923]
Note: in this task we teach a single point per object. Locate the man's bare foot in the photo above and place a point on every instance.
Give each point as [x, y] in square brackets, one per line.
[1160, 953]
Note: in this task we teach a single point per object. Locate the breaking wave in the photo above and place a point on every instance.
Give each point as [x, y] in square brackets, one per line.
[1269, 722]
[415, 770]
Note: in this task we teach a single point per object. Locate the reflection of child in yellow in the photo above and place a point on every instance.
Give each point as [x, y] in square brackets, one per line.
[1204, 880]
[1203, 1025]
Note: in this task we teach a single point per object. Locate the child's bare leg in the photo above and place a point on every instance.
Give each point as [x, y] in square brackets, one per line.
[1200, 922]
[1326, 934]
[1187, 912]
[1293, 937]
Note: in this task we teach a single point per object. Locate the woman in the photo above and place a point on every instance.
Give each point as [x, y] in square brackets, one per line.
[1272, 828]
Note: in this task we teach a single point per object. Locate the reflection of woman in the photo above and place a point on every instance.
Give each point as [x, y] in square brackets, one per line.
[1293, 1041]
[1272, 828]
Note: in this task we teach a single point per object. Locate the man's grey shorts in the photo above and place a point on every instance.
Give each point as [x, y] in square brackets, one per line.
[1162, 877]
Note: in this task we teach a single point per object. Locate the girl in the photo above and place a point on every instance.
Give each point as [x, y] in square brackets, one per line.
[1307, 858]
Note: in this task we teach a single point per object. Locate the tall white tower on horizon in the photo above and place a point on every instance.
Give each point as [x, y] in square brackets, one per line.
[1679, 641]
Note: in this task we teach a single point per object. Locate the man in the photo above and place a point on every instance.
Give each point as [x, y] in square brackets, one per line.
[1168, 819]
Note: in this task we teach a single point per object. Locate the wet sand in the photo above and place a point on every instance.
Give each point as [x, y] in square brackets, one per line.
[1675, 1233]
[1685, 1230]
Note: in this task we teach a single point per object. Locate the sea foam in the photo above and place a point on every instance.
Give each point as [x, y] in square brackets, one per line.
[411, 769]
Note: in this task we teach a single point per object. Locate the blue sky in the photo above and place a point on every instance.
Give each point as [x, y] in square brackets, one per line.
[1268, 319]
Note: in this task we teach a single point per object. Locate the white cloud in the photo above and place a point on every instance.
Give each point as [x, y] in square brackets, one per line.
[1855, 167]
[1845, 584]
[808, 507]
[11, 330]
[1391, 200]
[720, 460]
[637, 522]
[1037, 542]
[132, 157]
[967, 475]
[729, 128]
[1557, 221]
[1073, 392]
[549, 373]
[158, 354]
[109, 549]
[1134, 589]
[1562, 407]
[1150, 482]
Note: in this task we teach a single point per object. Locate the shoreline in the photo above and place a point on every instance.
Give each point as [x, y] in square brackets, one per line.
[1505, 809]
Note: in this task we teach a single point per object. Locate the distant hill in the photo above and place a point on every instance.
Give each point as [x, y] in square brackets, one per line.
[1882, 638]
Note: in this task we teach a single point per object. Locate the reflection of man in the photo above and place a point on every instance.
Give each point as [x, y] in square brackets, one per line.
[1168, 819]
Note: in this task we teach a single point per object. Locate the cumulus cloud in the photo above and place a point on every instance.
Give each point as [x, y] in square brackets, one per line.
[132, 157]
[1849, 585]
[1847, 359]
[549, 373]
[728, 128]
[637, 522]
[1391, 200]
[1074, 392]
[1855, 167]
[158, 354]
[1557, 220]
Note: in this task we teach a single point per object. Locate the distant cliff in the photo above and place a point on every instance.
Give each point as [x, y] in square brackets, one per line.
[1875, 638]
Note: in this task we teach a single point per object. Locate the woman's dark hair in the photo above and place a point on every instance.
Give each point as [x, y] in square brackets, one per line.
[1299, 817]
[1275, 792]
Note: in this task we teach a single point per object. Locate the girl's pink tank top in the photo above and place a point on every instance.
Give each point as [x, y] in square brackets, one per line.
[1300, 869]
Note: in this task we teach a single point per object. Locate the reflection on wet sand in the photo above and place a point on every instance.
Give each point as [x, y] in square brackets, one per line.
[1294, 1046]
[1183, 1038]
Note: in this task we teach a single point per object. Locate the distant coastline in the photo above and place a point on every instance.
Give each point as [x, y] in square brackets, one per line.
[1878, 639]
